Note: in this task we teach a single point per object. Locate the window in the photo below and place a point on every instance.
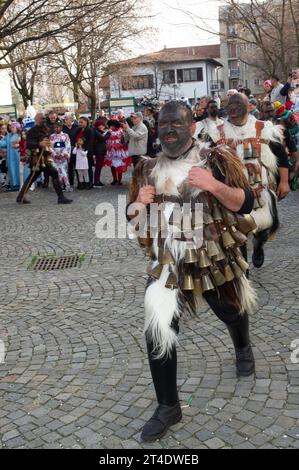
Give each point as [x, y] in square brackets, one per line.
[168, 76]
[232, 50]
[190, 75]
[137, 82]
[231, 30]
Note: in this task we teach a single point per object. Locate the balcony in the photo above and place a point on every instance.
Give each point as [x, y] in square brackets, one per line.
[216, 85]
[234, 73]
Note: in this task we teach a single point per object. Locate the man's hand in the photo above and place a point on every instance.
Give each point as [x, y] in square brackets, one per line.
[202, 179]
[283, 190]
[45, 143]
[146, 195]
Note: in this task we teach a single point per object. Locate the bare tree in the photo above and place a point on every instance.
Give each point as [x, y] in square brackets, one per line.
[24, 74]
[27, 21]
[266, 30]
[94, 48]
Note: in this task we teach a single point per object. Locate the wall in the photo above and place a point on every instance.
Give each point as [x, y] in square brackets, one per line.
[186, 89]
[5, 88]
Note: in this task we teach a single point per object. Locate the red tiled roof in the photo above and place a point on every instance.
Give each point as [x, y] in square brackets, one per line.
[178, 54]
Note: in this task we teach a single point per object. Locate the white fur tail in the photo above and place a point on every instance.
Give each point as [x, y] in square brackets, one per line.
[161, 307]
[247, 295]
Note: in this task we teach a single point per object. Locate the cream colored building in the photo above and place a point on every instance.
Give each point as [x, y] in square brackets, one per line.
[235, 71]
[5, 88]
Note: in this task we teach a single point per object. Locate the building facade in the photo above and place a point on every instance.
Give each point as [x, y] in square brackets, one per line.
[5, 88]
[235, 71]
[186, 72]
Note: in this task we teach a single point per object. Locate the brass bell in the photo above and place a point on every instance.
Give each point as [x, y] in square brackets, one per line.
[212, 248]
[228, 273]
[246, 223]
[242, 263]
[145, 241]
[247, 153]
[197, 286]
[171, 282]
[227, 239]
[156, 271]
[230, 219]
[149, 251]
[218, 276]
[165, 257]
[197, 219]
[207, 233]
[238, 236]
[207, 218]
[203, 259]
[188, 283]
[236, 269]
[251, 179]
[221, 255]
[190, 255]
[207, 283]
[217, 216]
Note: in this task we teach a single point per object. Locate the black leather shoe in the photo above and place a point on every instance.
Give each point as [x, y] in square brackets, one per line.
[64, 200]
[258, 257]
[244, 361]
[158, 425]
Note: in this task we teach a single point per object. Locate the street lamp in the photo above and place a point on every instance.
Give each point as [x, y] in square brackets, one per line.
[175, 86]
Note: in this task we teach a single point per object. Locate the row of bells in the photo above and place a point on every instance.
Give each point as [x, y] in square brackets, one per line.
[208, 280]
[202, 255]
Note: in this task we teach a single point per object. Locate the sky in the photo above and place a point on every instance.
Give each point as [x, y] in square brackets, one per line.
[176, 28]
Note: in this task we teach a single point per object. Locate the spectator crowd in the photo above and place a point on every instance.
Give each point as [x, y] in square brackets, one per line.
[80, 149]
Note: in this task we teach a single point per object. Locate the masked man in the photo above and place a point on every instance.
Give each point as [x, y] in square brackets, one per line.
[189, 264]
[258, 145]
[39, 146]
[211, 122]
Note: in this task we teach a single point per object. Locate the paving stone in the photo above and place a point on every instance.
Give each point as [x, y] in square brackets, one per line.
[75, 379]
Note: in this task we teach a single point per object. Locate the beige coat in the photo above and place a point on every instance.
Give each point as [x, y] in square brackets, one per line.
[137, 137]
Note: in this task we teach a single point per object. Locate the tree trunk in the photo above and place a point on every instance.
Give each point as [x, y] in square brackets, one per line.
[93, 106]
[93, 100]
[76, 93]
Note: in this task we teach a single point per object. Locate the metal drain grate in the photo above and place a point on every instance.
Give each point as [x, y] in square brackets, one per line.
[48, 263]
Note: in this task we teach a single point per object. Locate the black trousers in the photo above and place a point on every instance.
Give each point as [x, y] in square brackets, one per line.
[90, 170]
[164, 370]
[71, 170]
[49, 170]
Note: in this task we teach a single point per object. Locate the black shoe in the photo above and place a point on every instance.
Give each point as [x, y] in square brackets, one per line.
[244, 361]
[113, 182]
[158, 425]
[64, 200]
[258, 257]
[99, 185]
[45, 185]
[25, 201]
[119, 183]
[89, 186]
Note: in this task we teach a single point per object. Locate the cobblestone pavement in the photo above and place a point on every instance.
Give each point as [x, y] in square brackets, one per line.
[75, 372]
